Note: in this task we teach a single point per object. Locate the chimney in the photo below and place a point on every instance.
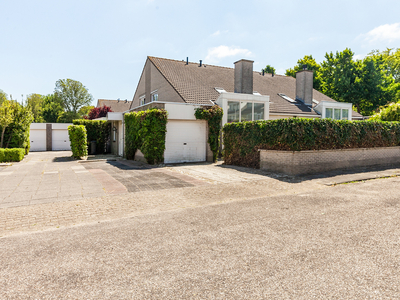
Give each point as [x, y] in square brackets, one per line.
[244, 76]
[304, 86]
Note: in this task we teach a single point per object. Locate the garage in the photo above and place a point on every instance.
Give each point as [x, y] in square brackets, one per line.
[186, 141]
[49, 137]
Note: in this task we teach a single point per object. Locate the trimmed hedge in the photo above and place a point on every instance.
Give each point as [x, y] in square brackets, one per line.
[242, 140]
[213, 115]
[145, 130]
[78, 137]
[97, 130]
[11, 154]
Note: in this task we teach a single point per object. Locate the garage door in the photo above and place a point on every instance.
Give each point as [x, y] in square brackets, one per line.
[60, 140]
[38, 139]
[186, 141]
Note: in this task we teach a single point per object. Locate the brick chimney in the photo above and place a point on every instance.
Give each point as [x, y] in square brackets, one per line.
[244, 76]
[304, 86]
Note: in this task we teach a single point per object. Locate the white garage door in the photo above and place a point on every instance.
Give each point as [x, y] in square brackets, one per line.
[186, 141]
[60, 140]
[38, 139]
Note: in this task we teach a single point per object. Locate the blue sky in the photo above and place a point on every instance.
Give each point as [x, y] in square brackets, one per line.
[104, 44]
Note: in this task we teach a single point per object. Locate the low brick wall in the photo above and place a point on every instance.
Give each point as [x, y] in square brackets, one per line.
[316, 161]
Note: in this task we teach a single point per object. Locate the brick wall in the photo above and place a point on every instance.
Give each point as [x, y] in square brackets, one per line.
[309, 162]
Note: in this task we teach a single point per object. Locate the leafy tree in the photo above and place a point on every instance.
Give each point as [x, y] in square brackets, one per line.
[84, 111]
[73, 95]
[99, 112]
[269, 69]
[390, 112]
[339, 73]
[3, 96]
[35, 102]
[6, 117]
[311, 65]
[52, 108]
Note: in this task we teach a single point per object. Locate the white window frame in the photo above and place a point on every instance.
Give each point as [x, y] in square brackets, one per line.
[341, 113]
[252, 109]
[142, 100]
[154, 94]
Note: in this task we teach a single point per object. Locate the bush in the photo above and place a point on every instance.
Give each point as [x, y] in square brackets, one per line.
[213, 115]
[145, 130]
[16, 134]
[78, 137]
[98, 131]
[11, 154]
[242, 140]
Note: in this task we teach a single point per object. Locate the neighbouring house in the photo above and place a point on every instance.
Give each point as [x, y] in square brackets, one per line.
[115, 117]
[245, 95]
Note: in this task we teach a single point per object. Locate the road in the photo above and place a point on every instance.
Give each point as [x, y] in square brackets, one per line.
[336, 242]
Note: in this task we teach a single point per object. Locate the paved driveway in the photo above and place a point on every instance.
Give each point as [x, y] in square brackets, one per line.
[47, 177]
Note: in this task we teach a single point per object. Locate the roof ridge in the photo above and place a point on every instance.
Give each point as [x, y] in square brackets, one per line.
[194, 63]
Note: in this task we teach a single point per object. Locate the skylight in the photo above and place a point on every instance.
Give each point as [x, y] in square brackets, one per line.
[315, 101]
[287, 98]
[220, 90]
[256, 93]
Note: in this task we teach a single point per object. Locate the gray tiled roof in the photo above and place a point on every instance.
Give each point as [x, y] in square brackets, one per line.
[116, 106]
[197, 85]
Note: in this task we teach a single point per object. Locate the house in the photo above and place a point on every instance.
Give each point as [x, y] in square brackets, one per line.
[115, 117]
[245, 95]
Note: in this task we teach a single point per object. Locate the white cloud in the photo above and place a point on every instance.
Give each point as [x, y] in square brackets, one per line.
[218, 33]
[216, 53]
[386, 33]
[359, 56]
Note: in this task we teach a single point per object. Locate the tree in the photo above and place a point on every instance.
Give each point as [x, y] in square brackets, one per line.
[73, 95]
[390, 112]
[6, 118]
[3, 97]
[84, 111]
[269, 69]
[311, 64]
[35, 102]
[99, 112]
[52, 108]
[339, 73]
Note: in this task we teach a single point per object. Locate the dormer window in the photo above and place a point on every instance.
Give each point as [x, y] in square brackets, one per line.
[154, 96]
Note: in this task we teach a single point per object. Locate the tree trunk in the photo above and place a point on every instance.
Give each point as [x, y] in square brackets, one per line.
[2, 136]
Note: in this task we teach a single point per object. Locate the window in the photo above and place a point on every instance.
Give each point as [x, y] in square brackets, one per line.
[329, 113]
[258, 111]
[220, 90]
[337, 113]
[142, 100]
[245, 111]
[233, 111]
[154, 96]
[287, 98]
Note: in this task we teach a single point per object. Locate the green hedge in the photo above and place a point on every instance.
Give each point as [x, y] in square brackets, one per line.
[11, 154]
[97, 130]
[78, 137]
[242, 140]
[145, 130]
[213, 115]
[16, 135]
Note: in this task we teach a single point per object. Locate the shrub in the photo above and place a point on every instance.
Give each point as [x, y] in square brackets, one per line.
[11, 154]
[145, 130]
[78, 137]
[213, 115]
[242, 140]
[97, 130]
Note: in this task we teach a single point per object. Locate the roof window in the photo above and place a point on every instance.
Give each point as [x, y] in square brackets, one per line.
[220, 90]
[287, 98]
[256, 93]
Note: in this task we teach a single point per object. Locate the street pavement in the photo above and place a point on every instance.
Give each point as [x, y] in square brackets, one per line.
[338, 242]
[200, 231]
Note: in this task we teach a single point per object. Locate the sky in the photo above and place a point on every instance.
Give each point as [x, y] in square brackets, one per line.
[104, 44]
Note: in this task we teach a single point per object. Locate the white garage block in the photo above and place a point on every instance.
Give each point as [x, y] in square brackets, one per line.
[38, 139]
[60, 140]
[186, 141]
